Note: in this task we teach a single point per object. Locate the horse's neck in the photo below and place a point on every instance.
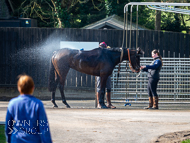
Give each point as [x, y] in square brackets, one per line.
[127, 55]
[116, 58]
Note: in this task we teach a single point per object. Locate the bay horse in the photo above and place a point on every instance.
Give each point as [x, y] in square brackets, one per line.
[96, 62]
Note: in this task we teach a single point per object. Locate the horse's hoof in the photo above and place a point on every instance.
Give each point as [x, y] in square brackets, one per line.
[102, 107]
[67, 106]
[55, 106]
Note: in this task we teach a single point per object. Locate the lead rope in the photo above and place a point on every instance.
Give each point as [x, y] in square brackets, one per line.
[139, 74]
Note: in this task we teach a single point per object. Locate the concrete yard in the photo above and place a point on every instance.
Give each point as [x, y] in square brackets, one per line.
[130, 124]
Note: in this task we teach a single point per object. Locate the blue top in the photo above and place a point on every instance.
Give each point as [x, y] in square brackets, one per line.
[157, 63]
[154, 68]
[26, 121]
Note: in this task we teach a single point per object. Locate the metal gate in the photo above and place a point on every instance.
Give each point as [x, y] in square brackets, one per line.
[173, 85]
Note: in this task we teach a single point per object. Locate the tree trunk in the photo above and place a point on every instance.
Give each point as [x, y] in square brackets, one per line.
[158, 18]
[4, 11]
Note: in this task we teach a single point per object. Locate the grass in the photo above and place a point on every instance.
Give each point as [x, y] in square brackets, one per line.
[186, 141]
[2, 134]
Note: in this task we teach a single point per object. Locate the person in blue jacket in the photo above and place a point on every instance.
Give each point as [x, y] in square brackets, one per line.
[26, 120]
[153, 77]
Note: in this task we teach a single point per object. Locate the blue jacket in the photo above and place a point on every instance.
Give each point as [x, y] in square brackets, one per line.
[154, 68]
[26, 121]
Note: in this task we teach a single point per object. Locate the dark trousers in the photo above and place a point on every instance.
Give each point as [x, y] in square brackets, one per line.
[152, 86]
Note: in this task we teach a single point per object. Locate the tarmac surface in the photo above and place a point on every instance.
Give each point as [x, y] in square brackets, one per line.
[83, 123]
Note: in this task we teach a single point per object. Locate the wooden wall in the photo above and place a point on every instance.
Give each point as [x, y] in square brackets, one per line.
[28, 50]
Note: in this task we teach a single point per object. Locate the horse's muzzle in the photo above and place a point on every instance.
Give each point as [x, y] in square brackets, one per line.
[137, 69]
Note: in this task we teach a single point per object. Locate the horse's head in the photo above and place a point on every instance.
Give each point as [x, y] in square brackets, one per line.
[134, 59]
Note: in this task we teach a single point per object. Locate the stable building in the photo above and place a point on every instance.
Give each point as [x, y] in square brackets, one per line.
[112, 22]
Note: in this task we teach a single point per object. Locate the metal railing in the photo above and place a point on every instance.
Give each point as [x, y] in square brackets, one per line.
[173, 85]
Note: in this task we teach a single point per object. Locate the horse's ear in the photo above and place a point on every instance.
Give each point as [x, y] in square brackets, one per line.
[140, 51]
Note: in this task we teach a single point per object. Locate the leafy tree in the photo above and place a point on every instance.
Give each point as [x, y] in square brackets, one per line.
[78, 13]
[4, 13]
[85, 12]
[169, 21]
[42, 10]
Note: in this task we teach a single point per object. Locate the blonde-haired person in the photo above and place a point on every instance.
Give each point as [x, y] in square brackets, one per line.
[26, 120]
[153, 78]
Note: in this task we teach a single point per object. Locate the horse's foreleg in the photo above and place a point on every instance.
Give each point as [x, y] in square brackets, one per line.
[103, 80]
[101, 99]
[61, 88]
[53, 99]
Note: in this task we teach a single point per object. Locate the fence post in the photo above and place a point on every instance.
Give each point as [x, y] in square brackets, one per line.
[174, 78]
[95, 92]
[113, 84]
[136, 88]
[140, 85]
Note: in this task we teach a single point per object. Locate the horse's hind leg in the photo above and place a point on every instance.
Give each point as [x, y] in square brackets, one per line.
[61, 86]
[53, 99]
[103, 80]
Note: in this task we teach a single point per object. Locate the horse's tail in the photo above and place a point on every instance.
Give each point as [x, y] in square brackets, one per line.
[52, 84]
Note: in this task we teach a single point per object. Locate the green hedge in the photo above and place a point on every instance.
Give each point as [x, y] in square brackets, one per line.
[2, 134]
[186, 141]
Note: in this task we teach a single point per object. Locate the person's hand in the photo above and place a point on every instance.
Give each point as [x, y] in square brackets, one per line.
[142, 67]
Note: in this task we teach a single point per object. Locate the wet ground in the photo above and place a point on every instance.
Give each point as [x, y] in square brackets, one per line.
[85, 124]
